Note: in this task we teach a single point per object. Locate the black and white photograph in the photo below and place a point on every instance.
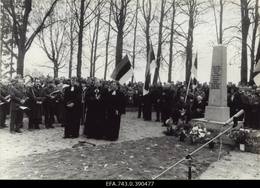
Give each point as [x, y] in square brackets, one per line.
[129, 91]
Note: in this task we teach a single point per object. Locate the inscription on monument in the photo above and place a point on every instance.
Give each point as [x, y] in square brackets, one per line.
[216, 76]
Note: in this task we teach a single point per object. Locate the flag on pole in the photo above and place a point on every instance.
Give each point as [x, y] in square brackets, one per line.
[123, 71]
[149, 64]
[256, 74]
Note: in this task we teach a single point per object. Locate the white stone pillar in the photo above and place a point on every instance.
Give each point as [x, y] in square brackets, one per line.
[217, 109]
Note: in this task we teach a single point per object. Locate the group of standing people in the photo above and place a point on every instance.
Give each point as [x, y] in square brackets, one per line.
[171, 102]
[248, 99]
[73, 102]
[98, 105]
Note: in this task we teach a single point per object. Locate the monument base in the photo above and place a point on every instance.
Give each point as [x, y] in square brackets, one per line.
[216, 127]
[216, 113]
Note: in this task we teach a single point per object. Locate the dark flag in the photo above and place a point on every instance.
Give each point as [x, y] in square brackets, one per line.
[151, 58]
[123, 71]
[256, 73]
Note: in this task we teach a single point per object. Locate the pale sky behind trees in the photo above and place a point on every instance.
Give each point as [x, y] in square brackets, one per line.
[204, 40]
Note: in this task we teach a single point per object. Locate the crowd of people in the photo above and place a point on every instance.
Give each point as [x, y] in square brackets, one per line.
[99, 104]
[71, 102]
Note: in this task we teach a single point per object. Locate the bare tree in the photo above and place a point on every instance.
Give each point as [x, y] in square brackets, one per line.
[255, 16]
[218, 25]
[160, 41]
[135, 32]
[8, 50]
[245, 24]
[84, 16]
[20, 27]
[120, 15]
[108, 39]
[71, 36]
[190, 8]
[53, 40]
[148, 17]
[94, 41]
[173, 4]
[1, 39]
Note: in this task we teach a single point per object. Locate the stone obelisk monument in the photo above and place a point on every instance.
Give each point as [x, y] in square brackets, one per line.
[217, 109]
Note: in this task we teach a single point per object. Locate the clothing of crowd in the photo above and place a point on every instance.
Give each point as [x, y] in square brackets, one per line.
[99, 104]
[173, 101]
[70, 102]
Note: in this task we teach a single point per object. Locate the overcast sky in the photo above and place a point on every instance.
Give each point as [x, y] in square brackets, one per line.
[204, 39]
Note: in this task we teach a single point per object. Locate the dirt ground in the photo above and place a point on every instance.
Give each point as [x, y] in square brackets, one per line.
[237, 165]
[141, 152]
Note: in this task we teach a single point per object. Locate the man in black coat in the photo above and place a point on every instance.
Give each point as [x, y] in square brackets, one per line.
[48, 104]
[166, 102]
[139, 101]
[35, 94]
[156, 99]
[18, 99]
[3, 105]
[72, 101]
[198, 109]
[115, 107]
[95, 115]
[234, 102]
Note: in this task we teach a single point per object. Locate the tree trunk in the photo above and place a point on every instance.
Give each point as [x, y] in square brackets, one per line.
[12, 57]
[107, 42]
[92, 53]
[189, 46]
[71, 48]
[135, 31]
[55, 70]
[221, 22]
[1, 39]
[159, 49]
[147, 37]
[252, 52]
[119, 45]
[96, 42]
[80, 39]
[171, 42]
[20, 61]
[245, 27]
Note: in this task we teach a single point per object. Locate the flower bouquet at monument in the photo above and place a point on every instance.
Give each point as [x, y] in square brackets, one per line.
[199, 134]
[242, 138]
